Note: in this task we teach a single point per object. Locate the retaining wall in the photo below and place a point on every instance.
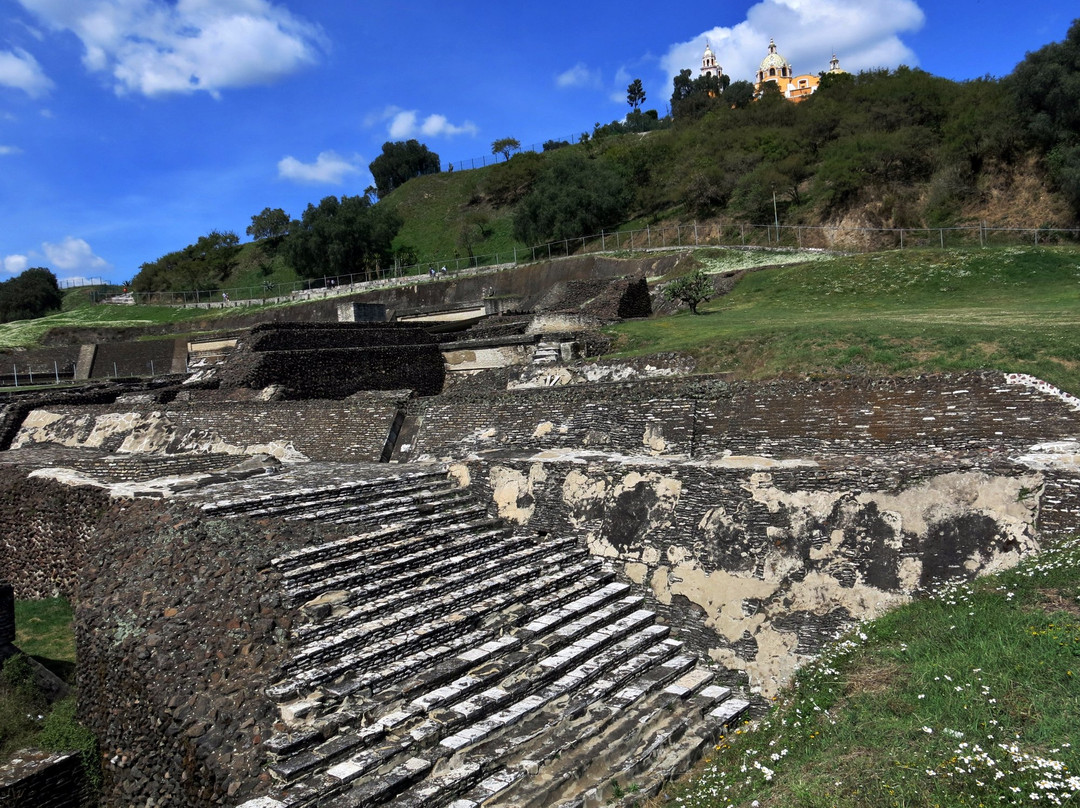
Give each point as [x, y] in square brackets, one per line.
[34, 779]
[350, 431]
[46, 531]
[705, 417]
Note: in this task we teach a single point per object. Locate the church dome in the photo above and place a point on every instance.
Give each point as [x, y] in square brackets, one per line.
[773, 59]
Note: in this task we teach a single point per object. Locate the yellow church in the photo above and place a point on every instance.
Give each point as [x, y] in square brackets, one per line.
[775, 68]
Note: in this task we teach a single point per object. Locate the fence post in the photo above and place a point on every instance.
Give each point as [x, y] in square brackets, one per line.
[30, 370]
[648, 235]
[941, 235]
[695, 233]
[14, 368]
[56, 370]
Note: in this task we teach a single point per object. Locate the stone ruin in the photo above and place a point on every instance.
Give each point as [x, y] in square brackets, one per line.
[500, 593]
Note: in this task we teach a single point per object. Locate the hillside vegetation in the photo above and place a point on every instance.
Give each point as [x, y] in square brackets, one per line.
[885, 148]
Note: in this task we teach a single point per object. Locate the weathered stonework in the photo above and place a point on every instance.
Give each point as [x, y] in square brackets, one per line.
[757, 520]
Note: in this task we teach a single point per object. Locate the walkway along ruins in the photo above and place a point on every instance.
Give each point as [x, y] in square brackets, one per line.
[333, 568]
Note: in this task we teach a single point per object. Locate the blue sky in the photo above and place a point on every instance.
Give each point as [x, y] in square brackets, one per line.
[129, 128]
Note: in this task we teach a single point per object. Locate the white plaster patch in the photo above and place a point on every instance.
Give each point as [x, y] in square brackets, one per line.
[543, 429]
[654, 439]
[509, 487]
[459, 472]
[952, 495]
[636, 572]
[582, 492]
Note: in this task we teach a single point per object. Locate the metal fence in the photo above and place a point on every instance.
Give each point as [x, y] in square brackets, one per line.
[659, 237]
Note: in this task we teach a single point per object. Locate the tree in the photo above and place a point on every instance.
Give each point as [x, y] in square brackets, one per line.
[635, 94]
[574, 196]
[692, 289]
[270, 224]
[342, 237]
[1046, 86]
[504, 146]
[399, 162]
[739, 94]
[31, 294]
[201, 266]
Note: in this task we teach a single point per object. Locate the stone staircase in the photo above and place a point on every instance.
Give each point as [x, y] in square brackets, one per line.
[450, 660]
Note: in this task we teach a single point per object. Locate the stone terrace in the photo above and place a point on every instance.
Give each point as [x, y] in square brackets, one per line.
[447, 659]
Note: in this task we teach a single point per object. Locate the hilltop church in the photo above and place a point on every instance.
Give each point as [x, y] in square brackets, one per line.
[774, 68]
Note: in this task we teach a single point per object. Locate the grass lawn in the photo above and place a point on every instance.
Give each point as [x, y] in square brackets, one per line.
[916, 311]
[970, 697]
[43, 630]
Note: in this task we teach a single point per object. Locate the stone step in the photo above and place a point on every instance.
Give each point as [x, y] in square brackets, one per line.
[367, 760]
[445, 695]
[540, 674]
[358, 488]
[409, 555]
[646, 747]
[373, 539]
[420, 637]
[366, 551]
[377, 510]
[577, 722]
[404, 579]
[396, 723]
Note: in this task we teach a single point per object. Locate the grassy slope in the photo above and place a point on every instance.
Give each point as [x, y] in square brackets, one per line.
[43, 631]
[968, 698]
[1013, 309]
[434, 208]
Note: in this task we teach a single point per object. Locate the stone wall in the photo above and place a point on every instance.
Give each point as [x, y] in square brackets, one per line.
[46, 531]
[774, 556]
[35, 779]
[180, 626]
[779, 512]
[350, 431]
[312, 361]
[125, 359]
[705, 417]
[7, 614]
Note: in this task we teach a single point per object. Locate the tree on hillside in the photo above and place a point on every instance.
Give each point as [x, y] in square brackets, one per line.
[342, 237]
[692, 289]
[504, 146]
[399, 162]
[691, 98]
[33, 293]
[269, 224]
[635, 94]
[739, 94]
[574, 196]
[201, 266]
[508, 182]
[1047, 89]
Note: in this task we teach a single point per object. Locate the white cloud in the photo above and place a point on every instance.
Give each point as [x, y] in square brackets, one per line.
[578, 76]
[73, 254]
[406, 123]
[154, 47]
[20, 70]
[864, 34]
[4, 150]
[329, 168]
[15, 263]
